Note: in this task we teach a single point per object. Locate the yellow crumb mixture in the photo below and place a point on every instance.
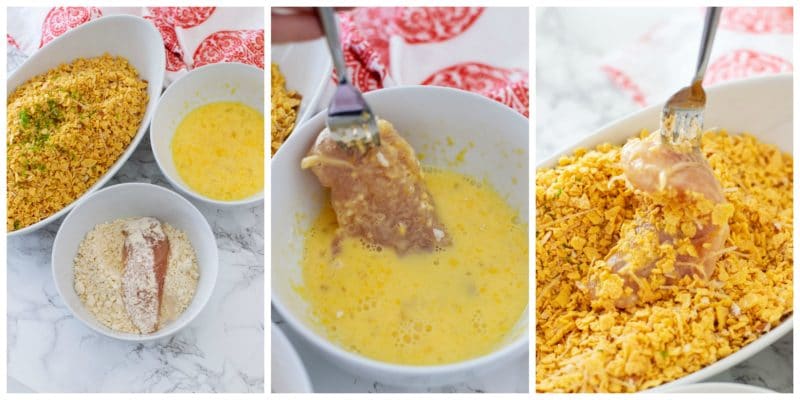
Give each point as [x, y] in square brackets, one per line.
[439, 307]
[218, 150]
[285, 105]
[679, 328]
[641, 247]
[66, 128]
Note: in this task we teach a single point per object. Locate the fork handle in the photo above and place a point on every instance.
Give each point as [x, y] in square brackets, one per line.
[331, 28]
[707, 42]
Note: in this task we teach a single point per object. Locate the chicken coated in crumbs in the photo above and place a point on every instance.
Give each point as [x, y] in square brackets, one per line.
[681, 228]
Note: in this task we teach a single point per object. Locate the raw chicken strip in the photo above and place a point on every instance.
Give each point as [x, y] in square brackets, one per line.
[679, 175]
[379, 195]
[652, 166]
[145, 259]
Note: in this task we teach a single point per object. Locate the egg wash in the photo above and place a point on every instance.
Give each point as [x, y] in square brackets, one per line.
[423, 308]
[218, 150]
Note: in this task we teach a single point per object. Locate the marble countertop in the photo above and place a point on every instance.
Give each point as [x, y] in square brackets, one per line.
[574, 98]
[222, 350]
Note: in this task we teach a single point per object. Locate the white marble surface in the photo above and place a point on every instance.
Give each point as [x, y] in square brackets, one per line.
[327, 377]
[222, 350]
[574, 98]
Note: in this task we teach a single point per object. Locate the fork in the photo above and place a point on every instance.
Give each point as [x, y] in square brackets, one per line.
[682, 115]
[350, 121]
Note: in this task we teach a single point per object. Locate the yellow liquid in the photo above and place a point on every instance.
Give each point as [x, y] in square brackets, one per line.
[424, 308]
[218, 150]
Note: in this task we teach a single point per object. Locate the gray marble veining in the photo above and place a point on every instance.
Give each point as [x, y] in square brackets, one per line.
[574, 98]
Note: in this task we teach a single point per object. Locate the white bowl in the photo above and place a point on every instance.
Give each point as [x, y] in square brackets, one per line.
[759, 106]
[134, 200]
[207, 84]
[307, 67]
[425, 116]
[111, 35]
[716, 387]
[288, 372]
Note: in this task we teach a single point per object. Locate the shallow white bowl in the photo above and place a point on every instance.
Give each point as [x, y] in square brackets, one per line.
[288, 372]
[425, 116]
[134, 200]
[113, 35]
[307, 68]
[759, 106]
[716, 387]
[207, 84]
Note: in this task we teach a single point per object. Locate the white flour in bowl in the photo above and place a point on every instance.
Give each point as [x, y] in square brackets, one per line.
[98, 271]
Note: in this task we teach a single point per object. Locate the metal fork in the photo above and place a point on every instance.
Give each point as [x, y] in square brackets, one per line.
[682, 115]
[350, 122]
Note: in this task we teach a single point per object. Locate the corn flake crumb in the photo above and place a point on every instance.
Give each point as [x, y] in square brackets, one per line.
[685, 325]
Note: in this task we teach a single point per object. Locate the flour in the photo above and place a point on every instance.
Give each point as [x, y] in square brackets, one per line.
[98, 274]
[143, 276]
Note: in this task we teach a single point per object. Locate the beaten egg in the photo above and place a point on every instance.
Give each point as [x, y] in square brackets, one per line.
[423, 308]
[218, 150]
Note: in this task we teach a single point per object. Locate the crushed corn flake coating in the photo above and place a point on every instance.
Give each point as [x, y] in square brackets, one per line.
[285, 106]
[66, 128]
[678, 327]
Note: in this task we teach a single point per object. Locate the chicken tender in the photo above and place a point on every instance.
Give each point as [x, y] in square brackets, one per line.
[681, 230]
[378, 195]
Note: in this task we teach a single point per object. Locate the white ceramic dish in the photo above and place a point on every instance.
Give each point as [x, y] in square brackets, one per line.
[288, 372]
[307, 67]
[716, 387]
[111, 35]
[759, 106]
[15, 386]
[207, 84]
[134, 200]
[425, 116]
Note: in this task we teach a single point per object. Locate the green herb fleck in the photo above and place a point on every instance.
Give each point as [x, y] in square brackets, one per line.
[40, 140]
[24, 118]
[53, 112]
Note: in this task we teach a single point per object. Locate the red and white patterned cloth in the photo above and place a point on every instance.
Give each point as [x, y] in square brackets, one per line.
[749, 42]
[483, 50]
[193, 36]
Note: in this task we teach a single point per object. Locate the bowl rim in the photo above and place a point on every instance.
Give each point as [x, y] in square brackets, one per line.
[430, 88]
[172, 328]
[591, 139]
[291, 353]
[726, 363]
[249, 201]
[316, 97]
[727, 387]
[516, 346]
[152, 105]
[747, 351]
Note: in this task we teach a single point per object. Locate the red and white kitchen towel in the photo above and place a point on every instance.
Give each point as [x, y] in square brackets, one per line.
[193, 36]
[749, 42]
[483, 50]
